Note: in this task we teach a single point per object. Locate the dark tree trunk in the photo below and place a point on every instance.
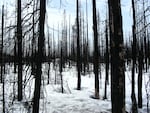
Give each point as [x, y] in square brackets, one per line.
[54, 55]
[140, 78]
[48, 57]
[48, 72]
[33, 43]
[61, 68]
[39, 57]
[145, 38]
[15, 55]
[19, 38]
[133, 97]
[69, 51]
[1, 45]
[2, 60]
[78, 50]
[117, 57]
[107, 56]
[87, 37]
[96, 61]
[107, 63]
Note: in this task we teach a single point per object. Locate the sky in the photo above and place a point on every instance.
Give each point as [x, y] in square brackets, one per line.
[55, 12]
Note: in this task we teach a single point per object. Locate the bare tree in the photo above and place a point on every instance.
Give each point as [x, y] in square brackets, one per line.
[2, 60]
[87, 35]
[19, 39]
[107, 62]
[140, 77]
[117, 57]
[96, 61]
[134, 103]
[33, 41]
[39, 57]
[61, 68]
[78, 49]
[1, 44]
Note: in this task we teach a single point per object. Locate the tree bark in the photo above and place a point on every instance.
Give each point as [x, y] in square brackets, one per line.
[61, 68]
[117, 57]
[87, 37]
[15, 55]
[133, 97]
[19, 38]
[2, 60]
[107, 63]
[96, 58]
[33, 42]
[78, 50]
[140, 78]
[39, 57]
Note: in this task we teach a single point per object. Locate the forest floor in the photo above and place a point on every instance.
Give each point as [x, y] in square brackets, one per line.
[72, 100]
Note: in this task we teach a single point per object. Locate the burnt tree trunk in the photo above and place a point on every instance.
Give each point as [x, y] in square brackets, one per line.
[48, 77]
[117, 57]
[1, 45]
[107, 63]
[39, 57]
[2, 60]
[33, 43]
[61, 68]
[96, 58]
[133, 97]
[140, 78]
[145, 38]
[87, 36]
[15, 55]
[19, 38]
[78, 50]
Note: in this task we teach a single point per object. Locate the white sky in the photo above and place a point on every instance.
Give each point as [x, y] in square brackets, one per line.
[55, 12]
[55, 15]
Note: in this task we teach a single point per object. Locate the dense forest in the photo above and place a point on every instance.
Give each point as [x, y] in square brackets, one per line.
[86, 62]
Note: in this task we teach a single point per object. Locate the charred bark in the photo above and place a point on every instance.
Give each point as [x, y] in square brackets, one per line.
[19, 38]
[96, 54]
[39, 57]
[117, 57]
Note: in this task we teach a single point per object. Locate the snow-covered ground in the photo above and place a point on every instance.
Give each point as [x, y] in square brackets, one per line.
[72, 100]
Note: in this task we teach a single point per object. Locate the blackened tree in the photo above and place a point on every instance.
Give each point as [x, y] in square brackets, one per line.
[117, 57]
[78, 50]
[134, 103]
[19, 39]
[96, 61]
[39, 57]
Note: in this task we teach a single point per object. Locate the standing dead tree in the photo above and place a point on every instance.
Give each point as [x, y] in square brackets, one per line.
[39, 57]
[87, 36]
[134, 103]
[33, 41]
[1, 44]
[140, 60]
[107, 62]
[96, 58]
[19, 39]
[78, 49]
[117, 57]
[2, 59]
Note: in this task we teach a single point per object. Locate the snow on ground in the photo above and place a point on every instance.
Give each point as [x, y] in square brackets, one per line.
[72, 100]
